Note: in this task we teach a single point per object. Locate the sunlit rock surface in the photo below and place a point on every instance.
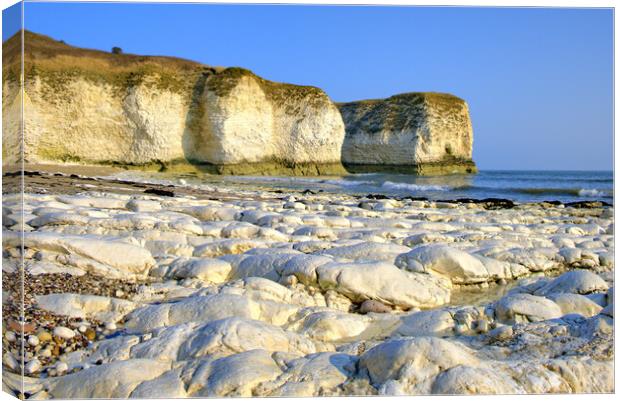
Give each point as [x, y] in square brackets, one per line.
[252, 297]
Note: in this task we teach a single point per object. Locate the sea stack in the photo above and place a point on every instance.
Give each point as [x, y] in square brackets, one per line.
[93, 107]
[421, 133]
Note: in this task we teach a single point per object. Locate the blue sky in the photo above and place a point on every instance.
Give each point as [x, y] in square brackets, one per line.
[539, 81]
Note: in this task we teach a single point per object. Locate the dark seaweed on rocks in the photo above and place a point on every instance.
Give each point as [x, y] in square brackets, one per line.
[587, 204]
[160, 192]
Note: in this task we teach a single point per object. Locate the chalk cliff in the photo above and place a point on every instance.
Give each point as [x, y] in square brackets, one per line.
[88, 106]
[151, 112]
[424, 133]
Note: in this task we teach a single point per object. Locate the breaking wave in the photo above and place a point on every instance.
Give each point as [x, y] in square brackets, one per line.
[401, 186]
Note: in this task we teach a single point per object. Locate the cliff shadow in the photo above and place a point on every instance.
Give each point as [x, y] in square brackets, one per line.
[192, 140]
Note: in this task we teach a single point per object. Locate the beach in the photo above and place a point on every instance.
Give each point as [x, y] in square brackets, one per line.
[154, 285]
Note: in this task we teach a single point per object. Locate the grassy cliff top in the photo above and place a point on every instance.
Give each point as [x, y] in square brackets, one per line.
[409, 98]
[41, 49]
[279, 93]
[398, 112]
[57, 62]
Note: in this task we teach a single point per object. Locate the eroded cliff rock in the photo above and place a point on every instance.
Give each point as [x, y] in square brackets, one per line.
[93, 107]
[425, 133]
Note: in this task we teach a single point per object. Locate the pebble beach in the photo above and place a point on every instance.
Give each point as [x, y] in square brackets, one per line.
[144, 290]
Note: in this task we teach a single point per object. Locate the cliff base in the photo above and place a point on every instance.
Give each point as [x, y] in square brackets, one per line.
[434, 168]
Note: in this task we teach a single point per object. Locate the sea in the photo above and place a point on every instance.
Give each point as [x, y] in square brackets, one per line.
[519, 186]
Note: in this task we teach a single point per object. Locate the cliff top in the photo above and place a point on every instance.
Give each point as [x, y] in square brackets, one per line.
[398, 112]
[408, 98]
[58, 62]
[44, 49]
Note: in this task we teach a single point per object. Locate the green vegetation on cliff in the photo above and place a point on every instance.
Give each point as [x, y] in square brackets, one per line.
[57, 63]
[396, 113]
[281, 94]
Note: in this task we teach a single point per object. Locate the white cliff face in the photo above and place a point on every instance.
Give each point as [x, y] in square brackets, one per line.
[90, 123]
[251, 121]
[416, 130]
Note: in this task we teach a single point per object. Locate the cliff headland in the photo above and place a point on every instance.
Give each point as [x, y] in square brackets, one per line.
[151, 112]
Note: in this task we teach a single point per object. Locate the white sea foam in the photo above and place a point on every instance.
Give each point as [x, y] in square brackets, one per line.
[413, 187]
[347, 183]
[591, 192]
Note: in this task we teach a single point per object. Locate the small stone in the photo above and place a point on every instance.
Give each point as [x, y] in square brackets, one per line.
[44, 336]
[119, 293]
[289, 280]
[482, 326]
[461, 329]
[90, 334]
[33, 340]
[10, 336]
[9, 361]
[56, 350]
[370, 305]
[110, 326]
[501, 333]
[33, 366]
[46, 352]
[82, 329]
[61, 367]
[64, 332]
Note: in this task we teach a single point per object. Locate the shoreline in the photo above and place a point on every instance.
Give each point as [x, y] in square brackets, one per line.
[94, 174]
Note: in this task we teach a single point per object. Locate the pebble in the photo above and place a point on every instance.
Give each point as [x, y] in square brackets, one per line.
[501, 333]
[9, 361]
[461, 329]
[482, 326]
[82, 329]
[33, 340]
[110, 326]
[10, 336]
[33, 366]
[90, 334]
[61, 367]
[44, 336]
[370, 305]
[64, 332]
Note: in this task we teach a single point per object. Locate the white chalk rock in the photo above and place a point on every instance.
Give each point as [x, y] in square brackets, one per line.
[367, 252]
[208, 308]
[475, 380]
[457, 265]
[575, 303]
[205, 269]
[424, 358]
[123, 257]
[384, 282]
[63, 332]
[86, 306]
[114, 380]
[314, 375]
[138, 205]
[576, 282]
[236, 375]
[223, 337]
[525, 307]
